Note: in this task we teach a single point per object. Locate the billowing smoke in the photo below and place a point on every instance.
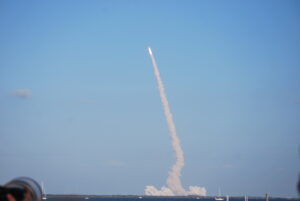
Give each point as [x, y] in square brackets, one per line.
[165, 191]
[174, 186]
[22, 93]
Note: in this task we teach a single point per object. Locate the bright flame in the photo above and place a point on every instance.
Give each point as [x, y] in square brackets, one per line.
[150, 51]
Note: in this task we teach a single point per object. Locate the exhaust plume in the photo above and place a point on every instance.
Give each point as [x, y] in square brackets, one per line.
[174, 186]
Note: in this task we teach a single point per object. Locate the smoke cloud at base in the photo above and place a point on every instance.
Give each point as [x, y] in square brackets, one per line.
[165, 191]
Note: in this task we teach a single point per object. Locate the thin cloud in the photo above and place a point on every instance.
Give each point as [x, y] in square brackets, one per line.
[228, 166]
[115, 163]
[87, 100]
[22, 93]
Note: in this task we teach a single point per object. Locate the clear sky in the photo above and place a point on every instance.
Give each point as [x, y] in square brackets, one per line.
[80, 110]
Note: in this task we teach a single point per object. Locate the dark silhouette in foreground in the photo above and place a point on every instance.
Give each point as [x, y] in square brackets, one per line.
[21, 189]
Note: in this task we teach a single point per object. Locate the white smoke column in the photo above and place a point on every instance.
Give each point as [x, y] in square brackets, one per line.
[173, 180]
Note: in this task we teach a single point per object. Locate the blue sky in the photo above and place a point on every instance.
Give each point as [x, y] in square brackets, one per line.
[80, 109]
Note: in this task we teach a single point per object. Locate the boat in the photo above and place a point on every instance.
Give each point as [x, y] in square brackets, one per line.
[219, 198]
[44, 196]
[267, 197]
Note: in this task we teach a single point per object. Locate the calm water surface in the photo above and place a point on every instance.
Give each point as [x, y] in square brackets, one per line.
[137, 198]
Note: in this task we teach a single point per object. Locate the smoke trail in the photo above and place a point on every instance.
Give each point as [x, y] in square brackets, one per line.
[173, 180]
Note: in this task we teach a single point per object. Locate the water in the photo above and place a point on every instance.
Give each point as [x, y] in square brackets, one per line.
[155, 198]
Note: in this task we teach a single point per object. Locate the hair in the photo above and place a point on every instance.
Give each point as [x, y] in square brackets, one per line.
[17, 193]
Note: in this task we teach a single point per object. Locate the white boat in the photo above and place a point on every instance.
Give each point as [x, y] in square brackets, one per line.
[219, 196]
[267, 197]
[44, 196]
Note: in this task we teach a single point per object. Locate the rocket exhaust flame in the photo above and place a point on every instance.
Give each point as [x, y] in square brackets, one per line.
[174, 186]
[150, 51]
